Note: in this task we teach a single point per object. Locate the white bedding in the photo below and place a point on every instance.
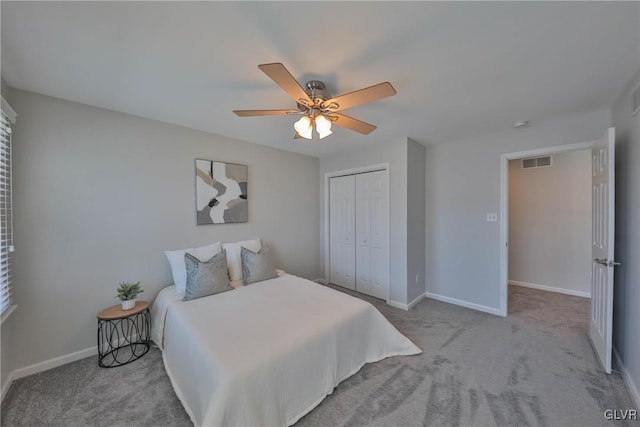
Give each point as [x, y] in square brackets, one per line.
[268, 353]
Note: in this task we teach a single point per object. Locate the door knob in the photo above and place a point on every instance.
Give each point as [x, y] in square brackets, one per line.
[607, 263]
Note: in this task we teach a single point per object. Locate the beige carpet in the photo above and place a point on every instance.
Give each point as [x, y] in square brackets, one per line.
[533, 368]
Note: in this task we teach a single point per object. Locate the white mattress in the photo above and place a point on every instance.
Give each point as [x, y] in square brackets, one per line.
[268, 353]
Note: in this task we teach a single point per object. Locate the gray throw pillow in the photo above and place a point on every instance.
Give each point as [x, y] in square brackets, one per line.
[256, 267]
[206, 278]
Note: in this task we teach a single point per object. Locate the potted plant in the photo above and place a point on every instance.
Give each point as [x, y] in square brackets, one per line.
[127, 293]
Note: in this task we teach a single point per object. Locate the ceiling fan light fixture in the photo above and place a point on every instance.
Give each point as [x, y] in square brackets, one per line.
[303, 127]
[322, 124]
[323, 133]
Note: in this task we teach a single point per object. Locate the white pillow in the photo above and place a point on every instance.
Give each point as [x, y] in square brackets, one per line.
[178, 266]
[234, 263]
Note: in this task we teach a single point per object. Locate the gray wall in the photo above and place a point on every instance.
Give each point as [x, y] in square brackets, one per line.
[4, 90]
[626, 315]
[463, 185]
[395, 153]
[415, 219]
[550, 220]
[100, 195]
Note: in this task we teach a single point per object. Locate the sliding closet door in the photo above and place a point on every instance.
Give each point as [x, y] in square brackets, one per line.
[372, 277]
[342, 230]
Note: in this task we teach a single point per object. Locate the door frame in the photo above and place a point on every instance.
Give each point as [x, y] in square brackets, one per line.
[355, 171]
[504, 207]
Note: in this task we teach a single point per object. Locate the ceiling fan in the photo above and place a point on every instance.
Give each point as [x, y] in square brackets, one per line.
[316, 106]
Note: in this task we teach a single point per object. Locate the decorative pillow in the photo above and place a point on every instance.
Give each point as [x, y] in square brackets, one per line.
[206, 277]
[176, 261]
[256, 267]
[233, 256]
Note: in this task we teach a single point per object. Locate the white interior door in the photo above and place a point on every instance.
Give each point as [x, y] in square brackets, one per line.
[372, 271]
[363, 233]
[379, 194]
[603, 192]
[342, 231]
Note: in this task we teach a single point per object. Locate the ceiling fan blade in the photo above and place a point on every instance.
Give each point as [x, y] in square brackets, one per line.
[359, 97]
[352, 124]
[283, 78]
[250, 113]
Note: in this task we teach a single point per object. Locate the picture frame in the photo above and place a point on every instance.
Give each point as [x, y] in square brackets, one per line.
[221, 192]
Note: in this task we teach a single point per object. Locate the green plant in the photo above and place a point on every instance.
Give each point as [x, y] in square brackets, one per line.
[128, 291]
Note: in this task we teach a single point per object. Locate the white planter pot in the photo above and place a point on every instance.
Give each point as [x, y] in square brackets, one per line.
[129, 304]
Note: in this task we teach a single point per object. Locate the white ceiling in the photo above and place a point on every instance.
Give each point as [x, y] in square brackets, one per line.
[459, 68]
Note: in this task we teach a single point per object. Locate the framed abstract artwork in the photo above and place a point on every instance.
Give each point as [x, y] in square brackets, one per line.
[221, 192]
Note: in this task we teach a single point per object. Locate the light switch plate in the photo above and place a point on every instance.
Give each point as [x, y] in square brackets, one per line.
[492, 217]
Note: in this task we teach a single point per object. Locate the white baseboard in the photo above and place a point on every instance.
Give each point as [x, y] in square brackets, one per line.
[5, 387]
[462, 303]
[396, 304]
[54, 363]
[551, 289]
[634, 391]
[46, 365]
[416, 300]
[406, 307]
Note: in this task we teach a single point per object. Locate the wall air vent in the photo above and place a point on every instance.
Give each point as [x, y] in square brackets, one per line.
[635, 101]
[537, 162]
[543, 161]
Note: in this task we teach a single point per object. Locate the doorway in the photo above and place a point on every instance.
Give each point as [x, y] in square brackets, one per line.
[550, 223]
[504, 206]
[549, 251]
[602, 236]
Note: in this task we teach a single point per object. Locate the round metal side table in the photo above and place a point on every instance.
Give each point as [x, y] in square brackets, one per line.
[123, 335]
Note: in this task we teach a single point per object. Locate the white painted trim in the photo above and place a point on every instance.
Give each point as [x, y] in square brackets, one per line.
[54, 363]
[462, 303]
[551, 289]
[504, 207]
[634, 391]
[406, 307]
[397, 304]
[45, 366]
[417, 300]
[6, 386]
[353, 171]
[10, 112]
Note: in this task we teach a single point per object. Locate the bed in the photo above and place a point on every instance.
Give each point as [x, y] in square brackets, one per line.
[268, 353]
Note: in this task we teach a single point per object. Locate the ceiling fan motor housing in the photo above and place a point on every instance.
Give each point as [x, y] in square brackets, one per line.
[318, 93]
[317, 89]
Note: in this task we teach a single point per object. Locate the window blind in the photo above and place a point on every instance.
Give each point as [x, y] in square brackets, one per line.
[6, 224]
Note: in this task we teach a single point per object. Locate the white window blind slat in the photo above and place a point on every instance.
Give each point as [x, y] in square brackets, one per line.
[6, 225]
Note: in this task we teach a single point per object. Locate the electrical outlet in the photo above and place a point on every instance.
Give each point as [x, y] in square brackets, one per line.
[416, 279]
[492, 217]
